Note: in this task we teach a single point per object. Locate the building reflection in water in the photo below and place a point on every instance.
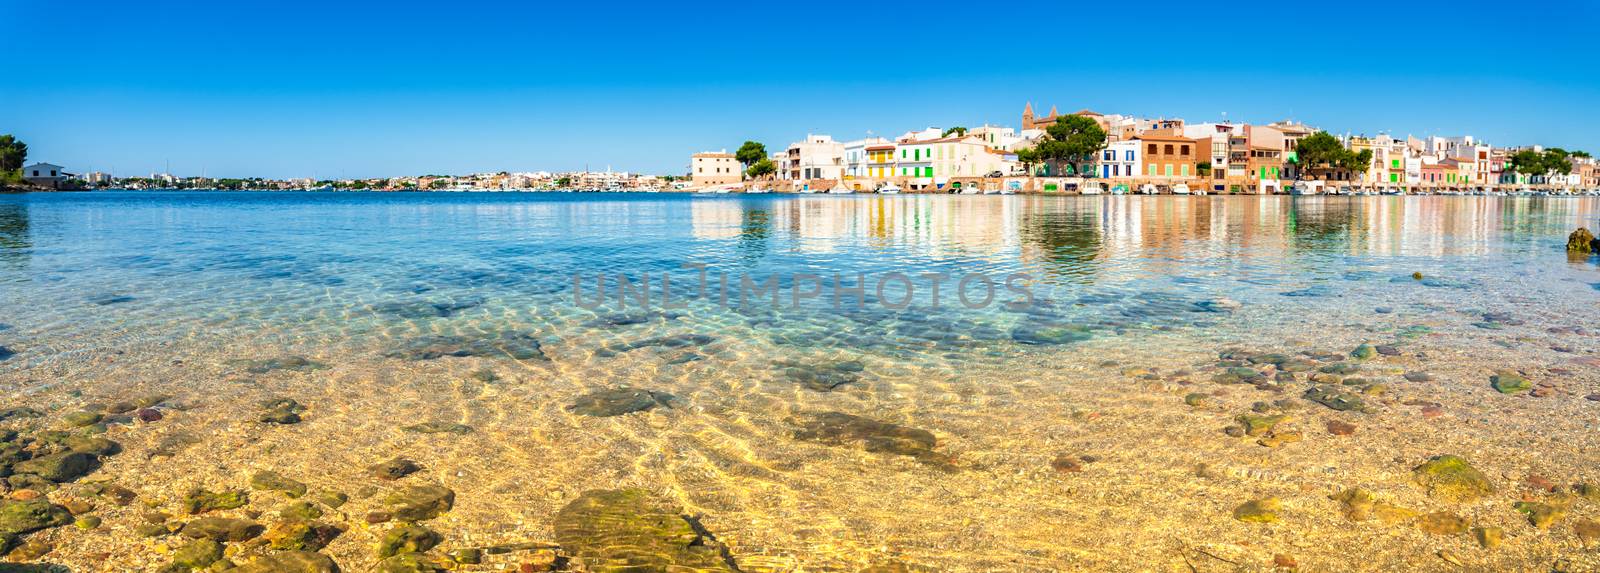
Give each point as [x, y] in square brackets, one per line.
[16, 239]
[1083, 239]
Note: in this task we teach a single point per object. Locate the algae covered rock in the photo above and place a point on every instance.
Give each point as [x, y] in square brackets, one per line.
[202, 501]
[197, 554]
[1581, 241]
[268, 480]
[222, 529]
[618, 401]
[840, 429]
[1510, 382]
[1263, 510]
[631, 530]
[407, 539]
[1451, 478]
[300, 535]
[1359, 505]
[419, 502]
[393, 469]
[1364, 352]
[62, 467]
[1442, 523]
[289, 562]
[1488, 537]
[18, 517]
[1259, 424]
[1541, 515]
[411, 563]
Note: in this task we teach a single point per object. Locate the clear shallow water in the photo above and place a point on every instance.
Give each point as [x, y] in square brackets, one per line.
[111, 294]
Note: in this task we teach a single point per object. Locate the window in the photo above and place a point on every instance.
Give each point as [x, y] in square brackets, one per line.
[1185, 150]
[1167, 148]
[1152, 166]
[1150, 150]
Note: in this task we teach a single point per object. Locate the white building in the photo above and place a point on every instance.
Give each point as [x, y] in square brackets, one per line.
[45, 174]
[946, 157]
[855, 156]
[818, 157]
[1120, 160]
[709, 168]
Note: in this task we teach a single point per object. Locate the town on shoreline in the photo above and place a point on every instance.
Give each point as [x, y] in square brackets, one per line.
[1081, 153]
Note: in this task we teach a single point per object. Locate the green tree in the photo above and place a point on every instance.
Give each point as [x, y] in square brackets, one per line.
[13, 153]
[1322, 151]
[1528, 162]
[957, 130]
[1583, 154]
[1556, 161]
[1072, 140]
[563, 182]
[750, 153]
[1204, 167]
[761, 168]
[1029, 158]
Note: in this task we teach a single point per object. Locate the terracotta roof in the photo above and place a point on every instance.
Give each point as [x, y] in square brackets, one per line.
[881, 148]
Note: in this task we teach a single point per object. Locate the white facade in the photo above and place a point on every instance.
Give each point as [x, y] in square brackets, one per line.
[1121, 160]
[818, 157]
[855, 155]
[947, 157]
[47, 174]
[714, 168]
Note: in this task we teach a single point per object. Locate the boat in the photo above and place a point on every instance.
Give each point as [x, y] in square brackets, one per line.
[1091, 189]
[1304, 188]
[1180, 189]
[757, 191]
[840, 190]
[1148, 189]
[890, 189]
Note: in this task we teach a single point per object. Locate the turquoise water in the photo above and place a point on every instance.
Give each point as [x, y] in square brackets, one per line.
[334, 268]
[1108, 316]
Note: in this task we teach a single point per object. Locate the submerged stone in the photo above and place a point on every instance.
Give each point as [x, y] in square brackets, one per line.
[81, 419]
[631, 530]
[1580, 241]
[1263, 510]
[202, 501]
[840, 429]
[619, 401]
[1256, 425]
[515, 345]
[289, 562]
[268, 480]
[412, 563]
[19, 517]
[407, 539]
[1045, 334]
[1364, 352]
[197, 554]
[222, 529]
[300, 535]
[1442, 523]
[1488, 537]
[419, 502]
[62, 467]
[823, 377]
[301, 511]
[1332, 398]
[1451, 478]
[281, 411]
[438, 428]
[425, 309]
[674, 341]
[1541, 515]
[393, 469]
[291, 363]
[1510, 382]
[1359, 505]
[6, 353]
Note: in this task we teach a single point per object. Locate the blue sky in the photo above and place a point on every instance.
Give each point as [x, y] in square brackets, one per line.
[355, 89]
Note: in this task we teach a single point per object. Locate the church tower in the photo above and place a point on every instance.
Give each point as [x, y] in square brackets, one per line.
[1027, 116]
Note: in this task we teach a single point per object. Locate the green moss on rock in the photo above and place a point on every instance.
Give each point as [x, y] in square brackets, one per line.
[1451, 478]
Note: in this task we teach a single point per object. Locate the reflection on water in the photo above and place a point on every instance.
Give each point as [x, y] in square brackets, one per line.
[1083, 432]
[15, 240]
